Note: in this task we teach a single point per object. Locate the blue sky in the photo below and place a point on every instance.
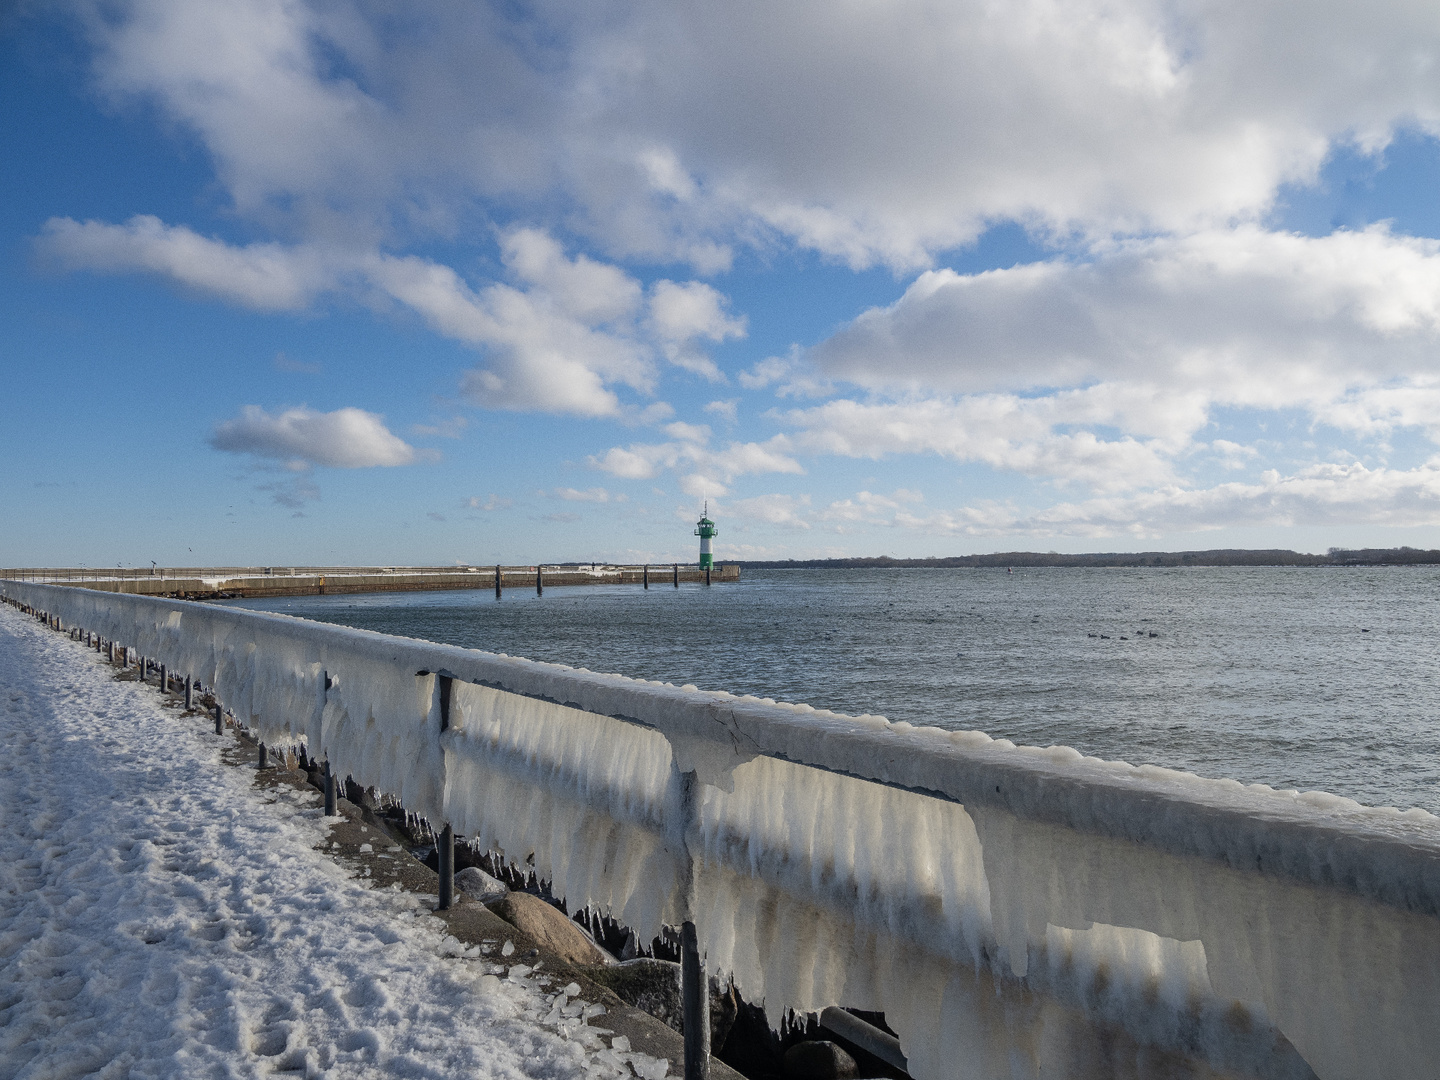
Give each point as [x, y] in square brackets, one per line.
[331, 282]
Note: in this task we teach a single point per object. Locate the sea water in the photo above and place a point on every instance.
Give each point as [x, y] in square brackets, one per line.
[1311, 678]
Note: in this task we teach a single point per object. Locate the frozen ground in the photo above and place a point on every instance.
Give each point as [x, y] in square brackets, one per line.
[161, 916]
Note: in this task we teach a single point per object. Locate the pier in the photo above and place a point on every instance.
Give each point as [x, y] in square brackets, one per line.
[237, 582]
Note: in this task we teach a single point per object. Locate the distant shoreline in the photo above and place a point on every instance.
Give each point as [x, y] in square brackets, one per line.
[1401, 556]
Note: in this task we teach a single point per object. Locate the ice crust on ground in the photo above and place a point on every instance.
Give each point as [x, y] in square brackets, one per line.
[1015, 911]
[160, 917]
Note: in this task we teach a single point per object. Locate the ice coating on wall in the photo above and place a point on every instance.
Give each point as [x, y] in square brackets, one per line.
[588, 795]
[1016, 912]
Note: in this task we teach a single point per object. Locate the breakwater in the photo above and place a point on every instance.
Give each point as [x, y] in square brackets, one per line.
[1013, 911]
[239, 582]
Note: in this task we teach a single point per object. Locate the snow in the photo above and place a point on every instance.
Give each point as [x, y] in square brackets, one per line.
[1015, 911]
[159, 916]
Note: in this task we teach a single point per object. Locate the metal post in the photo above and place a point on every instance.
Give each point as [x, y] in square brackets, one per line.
[497, 581]
[445, 687]
[694, 1005]
[330, 809]
[539, 580]
[189, 692]
[677, 575]
[707, 577]
[110, 652]
[645, 575]
[219, 719]
[447, 868]
[164, 679]
[694, 987]
[264, 757]
[142, 667]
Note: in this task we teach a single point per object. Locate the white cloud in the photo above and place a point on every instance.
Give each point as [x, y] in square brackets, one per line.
[1147, 140]
[266, 276]
[1244, 316]
[1318, 495]
[869, 133]
[595, 293]
[712, 469]
[344, 439]
[492, 502]
[869, 508]
[681, 314]
[764, 372]
[590, 495]
[796, 378]
[725, 409]
[785, 511]
[557, 342]
[696, 433]
[1003, 431]
[1105, 372]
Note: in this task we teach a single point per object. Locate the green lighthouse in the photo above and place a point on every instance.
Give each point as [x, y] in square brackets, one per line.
[705, 529]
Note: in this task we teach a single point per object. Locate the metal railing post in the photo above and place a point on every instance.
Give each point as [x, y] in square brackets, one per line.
[446, 849]
[219, 719]
[189, 692]
[695, 1005]
[330, 799]
[694, 987]
[497, 581]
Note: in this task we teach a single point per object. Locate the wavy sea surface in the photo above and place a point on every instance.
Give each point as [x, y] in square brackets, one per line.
[1322, 679]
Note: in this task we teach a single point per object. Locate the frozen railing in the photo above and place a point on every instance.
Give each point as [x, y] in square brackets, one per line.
[1015, 912]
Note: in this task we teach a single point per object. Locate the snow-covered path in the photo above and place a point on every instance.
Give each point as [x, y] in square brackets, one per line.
[160, 916]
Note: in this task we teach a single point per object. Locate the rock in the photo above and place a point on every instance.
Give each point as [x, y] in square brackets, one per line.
[548, 927]
[478, 885]
[652, 986]
[819, 1060]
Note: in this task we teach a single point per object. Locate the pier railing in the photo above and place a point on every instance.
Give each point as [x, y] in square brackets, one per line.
[1014, 911]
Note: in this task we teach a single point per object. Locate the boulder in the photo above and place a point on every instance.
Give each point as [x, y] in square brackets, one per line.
[653, 986]
[478, 885]
[548, 927]
[819, 1060]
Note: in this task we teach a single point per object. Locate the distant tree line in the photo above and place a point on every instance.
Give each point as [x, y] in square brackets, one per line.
[1402, 556]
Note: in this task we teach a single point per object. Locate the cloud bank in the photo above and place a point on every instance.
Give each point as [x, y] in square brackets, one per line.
[602, 164]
